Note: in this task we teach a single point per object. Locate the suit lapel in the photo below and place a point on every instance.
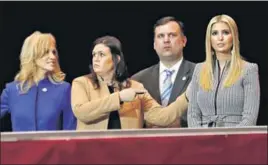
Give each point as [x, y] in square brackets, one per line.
[180, 82]
[155, 92]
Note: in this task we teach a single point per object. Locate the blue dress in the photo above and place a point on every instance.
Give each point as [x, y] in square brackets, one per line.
[44, 107]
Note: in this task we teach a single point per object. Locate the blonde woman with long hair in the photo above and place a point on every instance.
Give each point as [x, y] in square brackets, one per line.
[225, 90]
[39, 98]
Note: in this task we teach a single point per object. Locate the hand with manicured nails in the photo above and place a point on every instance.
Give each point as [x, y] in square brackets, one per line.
[129, 94]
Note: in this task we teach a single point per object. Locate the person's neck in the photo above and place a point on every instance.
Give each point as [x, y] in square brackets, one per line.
[108, 78]
[41, 74]
[223, 58]
[170, 63]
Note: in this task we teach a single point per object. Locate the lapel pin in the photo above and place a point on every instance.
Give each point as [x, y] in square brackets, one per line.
[184, 78]
[44, 89]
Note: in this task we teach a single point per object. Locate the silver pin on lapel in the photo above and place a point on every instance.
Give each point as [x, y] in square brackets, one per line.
[184, 78]
[44, 89]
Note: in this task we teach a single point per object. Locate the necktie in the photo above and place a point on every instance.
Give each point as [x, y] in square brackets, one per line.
[167, 87]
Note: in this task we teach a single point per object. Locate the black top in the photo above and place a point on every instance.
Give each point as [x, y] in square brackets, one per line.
[114, 119]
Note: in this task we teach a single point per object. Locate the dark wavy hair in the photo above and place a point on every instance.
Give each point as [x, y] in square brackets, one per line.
[120, 68]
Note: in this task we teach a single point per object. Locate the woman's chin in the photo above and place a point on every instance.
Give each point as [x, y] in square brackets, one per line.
[50, 69]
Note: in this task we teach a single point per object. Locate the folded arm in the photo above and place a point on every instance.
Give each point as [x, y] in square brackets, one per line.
[194, 113]
[86, 109]
[163, 116]
[69, 120]
[4, 102]
[251, 97]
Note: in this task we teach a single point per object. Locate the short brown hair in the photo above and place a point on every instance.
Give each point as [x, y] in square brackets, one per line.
[167, 19]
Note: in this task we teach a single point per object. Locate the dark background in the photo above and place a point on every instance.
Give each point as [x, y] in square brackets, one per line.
[77, 24]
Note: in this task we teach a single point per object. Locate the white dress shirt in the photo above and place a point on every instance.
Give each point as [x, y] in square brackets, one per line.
[162, 74]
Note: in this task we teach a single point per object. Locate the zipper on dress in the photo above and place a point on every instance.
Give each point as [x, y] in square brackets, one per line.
[217, 88]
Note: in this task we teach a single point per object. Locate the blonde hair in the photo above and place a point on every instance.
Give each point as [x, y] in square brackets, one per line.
[206, 74]
[34, 47]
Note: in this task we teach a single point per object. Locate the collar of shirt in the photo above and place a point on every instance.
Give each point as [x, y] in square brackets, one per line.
[175, 67]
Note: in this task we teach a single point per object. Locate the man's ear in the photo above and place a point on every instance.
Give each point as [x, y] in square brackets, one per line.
[118, 58]
[184, 41]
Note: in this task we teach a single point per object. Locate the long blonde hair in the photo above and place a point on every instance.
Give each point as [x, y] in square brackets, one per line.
[206, 74]
[34, 47]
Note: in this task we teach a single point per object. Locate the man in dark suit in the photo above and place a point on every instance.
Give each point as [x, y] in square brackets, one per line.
[169, 78]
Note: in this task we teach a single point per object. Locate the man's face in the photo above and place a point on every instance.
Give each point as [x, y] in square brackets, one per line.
[169, 41]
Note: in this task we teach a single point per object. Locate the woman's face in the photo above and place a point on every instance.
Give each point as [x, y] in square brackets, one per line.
[48, 61]
[102, 60]
[221, 38]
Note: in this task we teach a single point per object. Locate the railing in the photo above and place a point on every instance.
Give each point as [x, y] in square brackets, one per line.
[247, 145]
[14, 136]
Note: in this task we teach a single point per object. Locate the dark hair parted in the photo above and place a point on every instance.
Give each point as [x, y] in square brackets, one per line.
[120, 68]
[165, 20]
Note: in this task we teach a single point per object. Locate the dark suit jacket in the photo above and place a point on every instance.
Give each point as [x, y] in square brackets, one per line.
[149, 77]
